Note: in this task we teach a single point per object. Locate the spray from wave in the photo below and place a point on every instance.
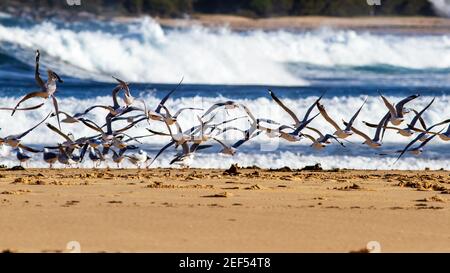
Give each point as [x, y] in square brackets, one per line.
[143, 51]
[442, 7]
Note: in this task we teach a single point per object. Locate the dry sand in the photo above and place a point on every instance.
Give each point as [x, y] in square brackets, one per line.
[170, 210]
[381, 24]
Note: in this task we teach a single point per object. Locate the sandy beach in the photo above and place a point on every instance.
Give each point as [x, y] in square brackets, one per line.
[254, 210]
[435, 25]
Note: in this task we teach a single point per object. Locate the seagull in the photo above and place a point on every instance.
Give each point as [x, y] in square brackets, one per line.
[50, 157]
[417, 150]
[297, 123]
[118, 157]
[69, 141]
[192, 130]
[95, 156]
[339, 132]
[228, 150]
[138, 158]
[128, 99]
[292, 136]
[443, 136]
[418, 117]
[231, 150]
[397, 111]
[64, 157]
[374, 142]
[21, 156]
[408, 131]
[169, 119]
[109, 137]
[316, 144]
[148, 114]
[323, 140]
[185, 157]
[47, 89]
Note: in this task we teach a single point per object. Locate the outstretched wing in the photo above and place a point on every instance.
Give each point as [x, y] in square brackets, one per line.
[401, 104]
[289, 111]
[352, 120]
[418, 116]
[167, 96]
[39, 94]
[324, 114]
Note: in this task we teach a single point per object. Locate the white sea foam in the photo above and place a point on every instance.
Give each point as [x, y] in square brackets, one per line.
[267, 152]
[338, 107]
[143, 51]
[442, 7]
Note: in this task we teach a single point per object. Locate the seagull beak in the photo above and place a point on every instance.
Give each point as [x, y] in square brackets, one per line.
[58, 77]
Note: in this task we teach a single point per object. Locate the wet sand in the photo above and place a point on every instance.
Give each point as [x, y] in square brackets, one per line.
[172, 210]
[405, 24]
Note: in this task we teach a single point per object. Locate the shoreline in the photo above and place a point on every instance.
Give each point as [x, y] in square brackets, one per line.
[435, 25]
[197, 210]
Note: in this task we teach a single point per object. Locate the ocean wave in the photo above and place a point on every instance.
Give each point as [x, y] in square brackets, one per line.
[143, 51]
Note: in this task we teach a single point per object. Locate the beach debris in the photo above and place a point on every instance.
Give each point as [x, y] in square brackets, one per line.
[233, 170]
[354, 186]
[256, 187]
[283, 169]
[17, 192]
[434, 198]
[219, 195]
[70, 203]
[315, 167]
[422, 186]
[16, 168]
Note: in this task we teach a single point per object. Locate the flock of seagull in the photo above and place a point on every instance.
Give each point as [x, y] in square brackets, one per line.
[116, 142]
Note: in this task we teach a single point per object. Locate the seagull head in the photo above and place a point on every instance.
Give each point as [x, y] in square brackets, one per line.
[53, 76]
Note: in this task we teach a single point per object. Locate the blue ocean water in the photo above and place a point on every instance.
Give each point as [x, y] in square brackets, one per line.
[221, 64]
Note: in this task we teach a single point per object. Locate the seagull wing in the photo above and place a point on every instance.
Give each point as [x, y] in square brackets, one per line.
[401, 104]
[305, 118]
[185, 108]
[29, 149]
[352, 120]
[56, 130]
[324, 114]
[31, 129]
[166, 97]
[418, 116]
[358, 132]
[22, 109]
[289, 111]
[419, 136]
[40, 94]
[310, 137]
[162, 150]
[389, 106]
[55, 104]
[428, 140]
[212, 108]
[381, 126]
[315, 130]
